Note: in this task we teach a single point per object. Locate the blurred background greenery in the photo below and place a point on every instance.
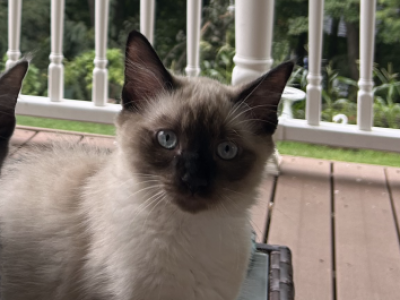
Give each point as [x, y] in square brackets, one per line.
[340, 50]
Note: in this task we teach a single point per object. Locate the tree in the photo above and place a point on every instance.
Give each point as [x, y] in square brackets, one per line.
[291, 28]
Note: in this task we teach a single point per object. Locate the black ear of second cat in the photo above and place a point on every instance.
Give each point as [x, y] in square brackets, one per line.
[262, 97]
[10, 85]
[145, 74]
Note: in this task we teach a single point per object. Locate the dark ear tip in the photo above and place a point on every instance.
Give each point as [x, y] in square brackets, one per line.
[23, 63]
[134, 34]
[287, 65]
[286, 68]
[20, 68]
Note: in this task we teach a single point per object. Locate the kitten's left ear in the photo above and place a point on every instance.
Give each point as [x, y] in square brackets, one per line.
[262, 97]
[145, 75]
[10, 85]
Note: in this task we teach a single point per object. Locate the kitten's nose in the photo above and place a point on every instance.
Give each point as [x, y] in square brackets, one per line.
[194, 183]
[195, 171]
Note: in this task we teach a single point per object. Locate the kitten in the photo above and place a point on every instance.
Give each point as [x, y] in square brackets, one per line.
[164, 217]
[10, 85]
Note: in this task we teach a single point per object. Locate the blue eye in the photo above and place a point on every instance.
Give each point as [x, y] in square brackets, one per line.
[227, 150]
[167, 139]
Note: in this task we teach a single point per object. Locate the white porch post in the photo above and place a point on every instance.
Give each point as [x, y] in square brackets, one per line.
[14, 31]
[314, 78]
[147, 19]
[193, 20]
[100, 74]
[254, 27]
[365, 96]
[56, 68]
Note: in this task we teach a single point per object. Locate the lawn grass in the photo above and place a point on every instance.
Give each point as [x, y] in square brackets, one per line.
[66, 125]
[333, 153]
[284, 147]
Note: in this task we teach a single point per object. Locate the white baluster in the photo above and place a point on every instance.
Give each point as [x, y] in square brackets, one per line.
[56, 68]
[193, 19]
[254, 27]
[100, 73]
[14, 32]
[365, 96]
[147, 19]
[314, 78]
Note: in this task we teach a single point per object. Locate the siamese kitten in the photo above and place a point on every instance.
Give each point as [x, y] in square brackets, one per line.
[10, 85]
[164, 217]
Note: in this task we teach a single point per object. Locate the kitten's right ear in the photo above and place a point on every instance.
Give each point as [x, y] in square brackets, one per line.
[261, 97]
[145, 75]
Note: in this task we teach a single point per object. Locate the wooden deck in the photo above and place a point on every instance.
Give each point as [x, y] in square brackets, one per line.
[340, 220]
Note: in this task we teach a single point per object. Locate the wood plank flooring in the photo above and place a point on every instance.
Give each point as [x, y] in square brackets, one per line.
[341, 220]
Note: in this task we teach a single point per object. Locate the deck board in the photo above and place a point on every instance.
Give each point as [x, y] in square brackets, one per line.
[367, 250]
[301, 220]
[259, 211]
[393, 177]
[20, 138]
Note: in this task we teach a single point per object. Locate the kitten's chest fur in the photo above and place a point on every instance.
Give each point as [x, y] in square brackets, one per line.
[108, 241]
[153, 250]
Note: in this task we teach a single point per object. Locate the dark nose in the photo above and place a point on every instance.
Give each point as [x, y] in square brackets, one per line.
[194, 172]
[193, 182]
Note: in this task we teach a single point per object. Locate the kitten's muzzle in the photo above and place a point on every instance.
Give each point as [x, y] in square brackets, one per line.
[193, 183]
[194, 172]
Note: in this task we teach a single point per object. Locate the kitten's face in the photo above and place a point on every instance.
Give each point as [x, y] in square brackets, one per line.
[197, 143]
[203, 143]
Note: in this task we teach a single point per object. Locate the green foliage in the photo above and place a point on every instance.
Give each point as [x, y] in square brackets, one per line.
[290, 29]
[335, 96]
[339, 96]
[298, 25]
[298, 79]
[387, 93]
[217, 47]
[349, 9]
[221, 67]
[388, 16]
[35, 82]
[79, 74]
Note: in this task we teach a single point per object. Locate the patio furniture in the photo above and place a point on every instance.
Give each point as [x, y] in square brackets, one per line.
[270, 275]
[290, 95]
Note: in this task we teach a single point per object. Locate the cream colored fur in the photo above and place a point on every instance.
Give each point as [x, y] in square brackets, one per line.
[78, 224]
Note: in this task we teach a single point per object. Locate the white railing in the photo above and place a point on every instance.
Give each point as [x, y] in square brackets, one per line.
[252, 35]
[314, 78]
[56, 68]
[100, 74]
[254, 31]
[14, 32]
